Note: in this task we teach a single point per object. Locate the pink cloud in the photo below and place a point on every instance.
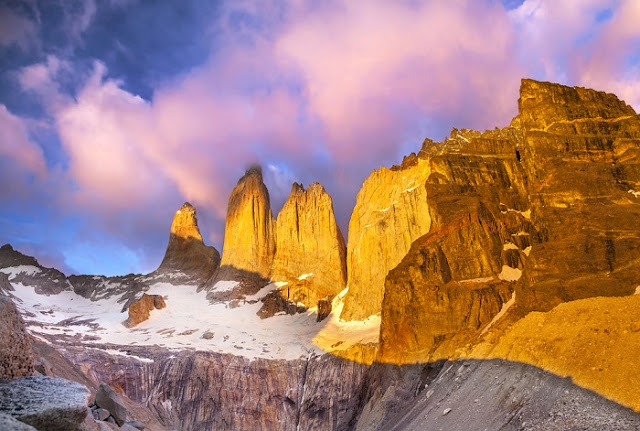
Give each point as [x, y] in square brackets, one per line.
[330, 91]
[573, 48]
[605, 67]
[16, 145]
[371, 69]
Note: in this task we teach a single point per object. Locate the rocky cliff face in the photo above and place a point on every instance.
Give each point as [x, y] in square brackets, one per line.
[581, 151]
[249, 235]
[390, 213]
[455, 279]
[310, 250]
[206, 391]
[186, 253]
[551, 197]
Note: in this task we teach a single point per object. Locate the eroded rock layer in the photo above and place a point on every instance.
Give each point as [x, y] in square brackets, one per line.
[310, 250]
[205, 391]
[249, 235]
[186, 252]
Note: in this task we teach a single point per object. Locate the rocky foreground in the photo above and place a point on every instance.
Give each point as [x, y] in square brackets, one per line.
[489, 282]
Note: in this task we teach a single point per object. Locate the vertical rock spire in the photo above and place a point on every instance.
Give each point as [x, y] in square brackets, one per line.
[310, 249]
[249, 236]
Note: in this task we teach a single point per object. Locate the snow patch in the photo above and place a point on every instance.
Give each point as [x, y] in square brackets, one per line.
[410, 189]
[637, 292]
[13, 271]
[387, 208]
[510, 246]
[526, 214]
[337, 334]
[527, 250]
[477, 280]
[128, 355]
[225, 285]
[505, 307]
[305, 276]
[187, 316]
[510, 274]
[634, 193]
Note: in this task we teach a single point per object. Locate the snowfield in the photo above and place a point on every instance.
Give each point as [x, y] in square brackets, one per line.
[230, 327]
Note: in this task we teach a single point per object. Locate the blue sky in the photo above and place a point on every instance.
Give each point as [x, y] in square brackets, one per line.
[113, 113]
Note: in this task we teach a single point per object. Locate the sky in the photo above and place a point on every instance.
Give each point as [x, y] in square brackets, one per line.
[115, 112]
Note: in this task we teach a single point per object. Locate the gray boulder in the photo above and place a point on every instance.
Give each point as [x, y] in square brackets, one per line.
[9, 423]
[45, 403]
[108, 399]
[101, 414]
[107, 426]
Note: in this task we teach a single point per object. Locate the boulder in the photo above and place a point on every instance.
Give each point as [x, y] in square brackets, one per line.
[107, 398]
[101, 414]
[324, 308]
[45, 403]
[140, 310]
[9, 423]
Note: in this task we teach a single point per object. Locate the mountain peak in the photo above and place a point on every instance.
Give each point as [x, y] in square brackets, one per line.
[186, 251]
[185, 223]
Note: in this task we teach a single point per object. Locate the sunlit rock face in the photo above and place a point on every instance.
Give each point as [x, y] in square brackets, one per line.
[581, 157]
[310, 250]
[249, 235]
[390, 213]
[186, 252]
[456, 278]
[551, 198]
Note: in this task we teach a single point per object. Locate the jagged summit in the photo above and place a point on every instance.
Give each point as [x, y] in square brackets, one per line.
[186, 252]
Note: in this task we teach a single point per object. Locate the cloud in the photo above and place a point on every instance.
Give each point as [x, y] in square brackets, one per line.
[570, 43]
[373, 70]
[17, 147]
[608, 66]
[17, 30]
[315, 91]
